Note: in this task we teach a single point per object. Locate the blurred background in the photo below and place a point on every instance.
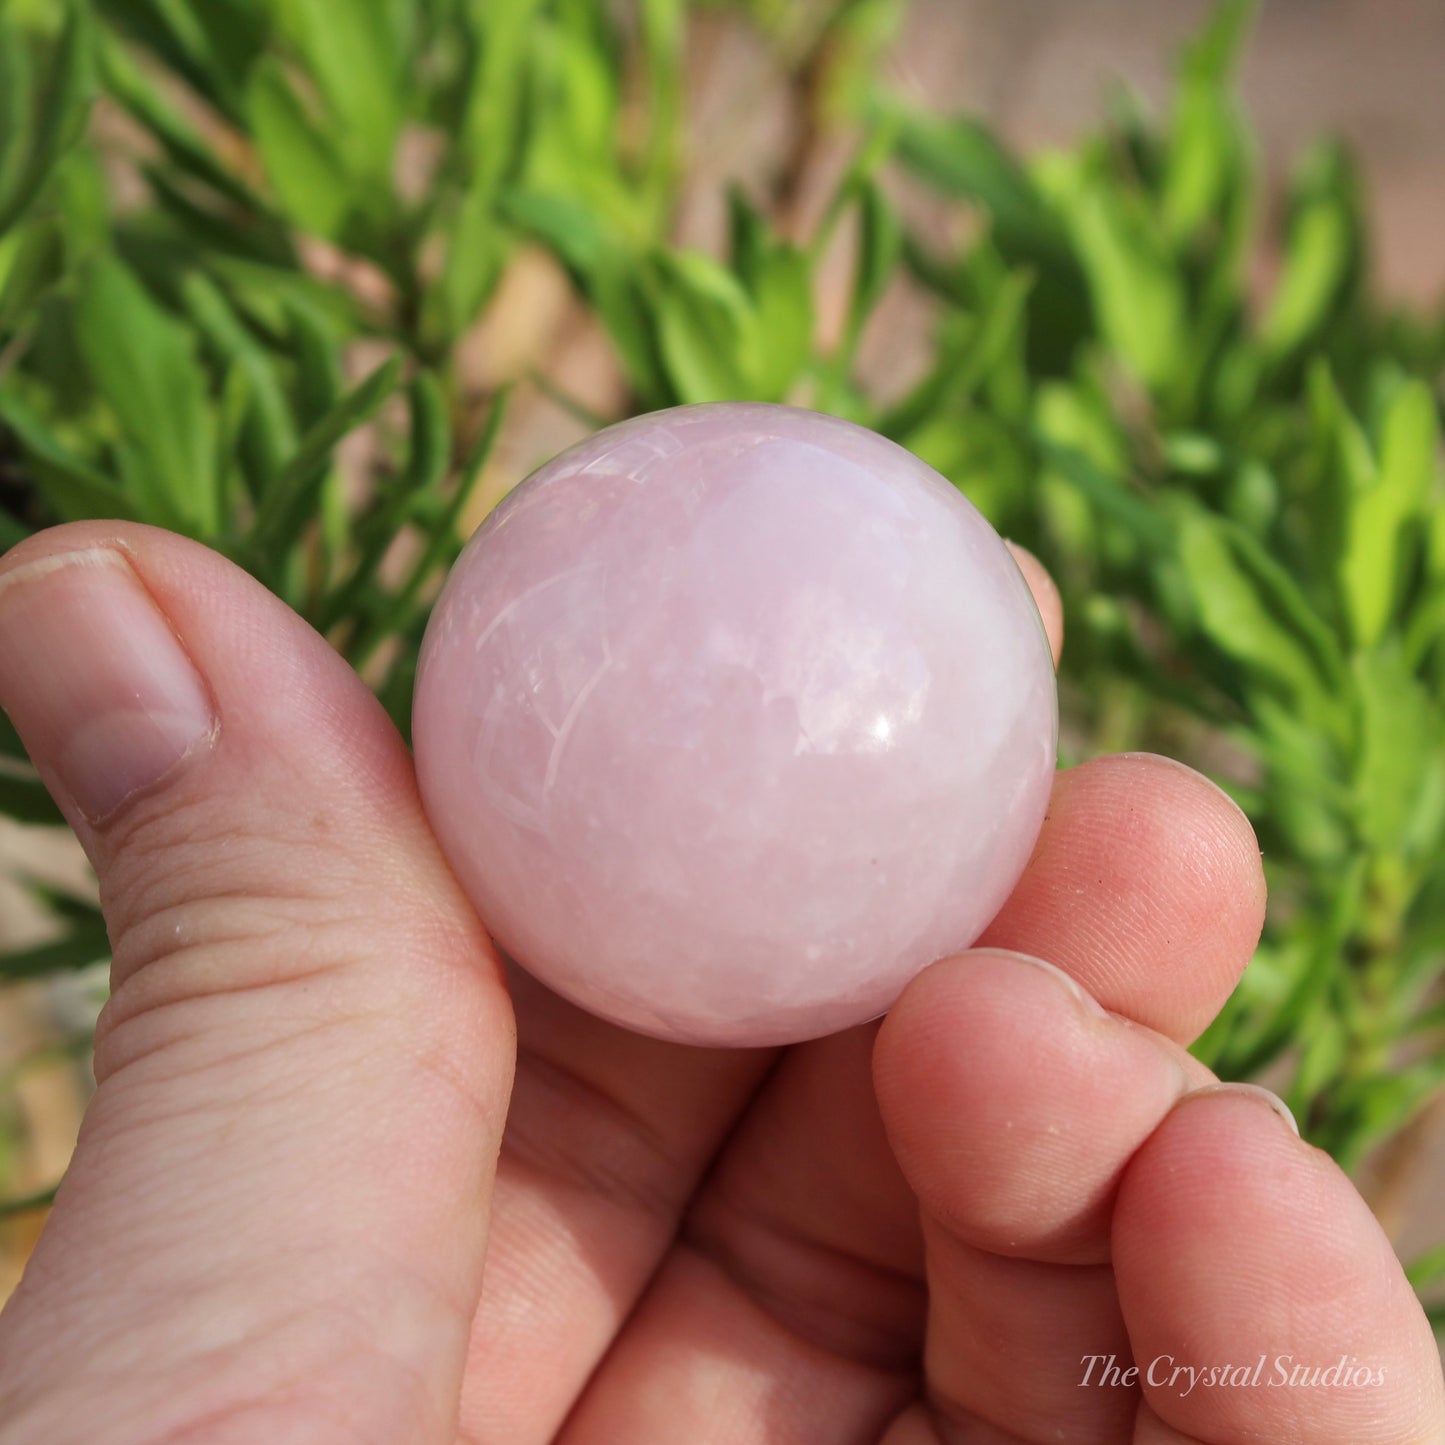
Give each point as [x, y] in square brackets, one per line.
[1102, 262]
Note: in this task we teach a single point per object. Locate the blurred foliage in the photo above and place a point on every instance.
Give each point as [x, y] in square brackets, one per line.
[1241, 502]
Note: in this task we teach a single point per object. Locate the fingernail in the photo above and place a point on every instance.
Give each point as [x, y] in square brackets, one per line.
[1249, 1091]
[94, 679]
[1068, 982]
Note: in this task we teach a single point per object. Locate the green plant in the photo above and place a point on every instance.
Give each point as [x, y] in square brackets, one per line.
[1242, 504]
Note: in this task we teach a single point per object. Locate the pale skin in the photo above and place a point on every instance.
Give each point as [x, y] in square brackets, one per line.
[323, 1104]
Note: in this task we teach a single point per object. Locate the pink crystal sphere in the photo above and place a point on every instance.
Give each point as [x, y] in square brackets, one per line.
[731, 719]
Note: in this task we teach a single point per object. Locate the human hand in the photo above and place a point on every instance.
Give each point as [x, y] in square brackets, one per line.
[916, 1232]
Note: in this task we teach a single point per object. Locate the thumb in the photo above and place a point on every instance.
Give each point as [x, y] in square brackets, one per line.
[274, 1222]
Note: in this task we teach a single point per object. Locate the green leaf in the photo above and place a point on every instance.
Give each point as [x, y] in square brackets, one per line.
[970, 349]
[303, 167]
[144, 363]
[29, 1203]
[577, 91]
[880, 248]
[664, 48]
[704, 326]
[431, 436]
[1238, 605]
[183, 144]
[1321, 256]
[1371, 570]
[476, 253]
[87, 944]
[212, 46]
[492, 125]
[750, 238]
[1399, 740]
[32, 260]
[74, 488]
[1322, 1035]
[357, 52]
[24, 798]
[1137, 293]
[1426, 627]
[444, 541]
[315, 350]
[270, 438]
[779, 342]
[60, 106]
[1108, 496]
[1205, 154]
[1428, 1268]
[607, 274]
[1383, 1104]
[17, 84]
[291, 498]
[393, 505]
[963, 158]
[1213, 54]
[233, 410]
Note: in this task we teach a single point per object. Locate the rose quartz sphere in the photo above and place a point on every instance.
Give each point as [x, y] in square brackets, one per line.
[733, 718]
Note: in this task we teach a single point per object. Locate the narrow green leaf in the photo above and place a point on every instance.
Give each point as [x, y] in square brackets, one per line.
[1425, 629]
[607, 273]
[233, 410]
[316, 351]
[78, 949]
[880, 248]
[1109, 496]
[1400, 492]
[1427, 1269]
[444, 542]
[476, 254]
[32, 261]
[1236, 612]
[61, 104]
[271, 437]
[664, 51]
[144, 363]
[577, 89]
[492, 126]
[72, 486]
[393, 503]
[302, 165]
[24, 799]
[779, 339]
[1399, 733]
[17, 84]
[1321, 255]
[12, 533]
[129, 85]
[1322, 1036]
[1137, 293]
[29, 1203]
[1213, 54]
[290, 500]
[1204, 154]
[749, 237]
[704, 322]
[969, 350]
[357, 51]
[212, 45]
[962, 157]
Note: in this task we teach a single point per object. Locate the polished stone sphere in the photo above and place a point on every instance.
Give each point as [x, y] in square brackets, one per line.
[731, 719]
